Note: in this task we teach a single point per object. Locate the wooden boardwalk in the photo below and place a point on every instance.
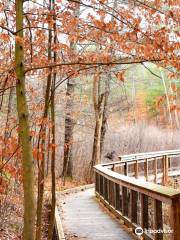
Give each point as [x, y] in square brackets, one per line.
[83, 218]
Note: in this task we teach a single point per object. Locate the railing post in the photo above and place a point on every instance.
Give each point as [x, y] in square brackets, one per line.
[158, 219]
[108, 195]
[97, 183]
[155, 170]
[106, 189]
[136, 169]
[103, 190]
[146, 169]
[126, 169]
[124, 201]
[120, 196]
[101, 185]
[144, 211]
[165, 170]
[134, 202]
[175, 218]
[117, 196]
[112, 193]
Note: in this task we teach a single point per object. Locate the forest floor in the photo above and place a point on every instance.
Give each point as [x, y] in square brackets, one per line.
[11, 210]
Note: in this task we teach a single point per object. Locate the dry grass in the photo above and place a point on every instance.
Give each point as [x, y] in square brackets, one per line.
[125, 139]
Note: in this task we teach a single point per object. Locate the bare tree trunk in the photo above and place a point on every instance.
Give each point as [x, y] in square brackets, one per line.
[41, 146]
[98, 100]
[6, 132]
[106, 98]
[53, 155]
[48, 154]
[24, 133]
[105, 113]
[69, 118]
[53, 158]
[133, 98]
[41, 167]
[69, 126]
[101, 115]
[167, 99]
[175, 110]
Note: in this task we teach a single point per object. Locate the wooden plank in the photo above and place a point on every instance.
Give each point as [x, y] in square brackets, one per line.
[83, 218]
[75, 189]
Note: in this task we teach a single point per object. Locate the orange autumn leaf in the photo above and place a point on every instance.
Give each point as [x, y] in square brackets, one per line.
[120, 76]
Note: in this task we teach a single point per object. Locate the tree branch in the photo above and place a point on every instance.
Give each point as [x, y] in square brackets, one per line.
[53, 65]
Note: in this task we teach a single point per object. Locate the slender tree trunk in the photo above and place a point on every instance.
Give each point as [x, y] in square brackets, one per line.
[167, 99]
[175, 110]
[48, 154]
[69, 126]
[6, 133]
[96, 155]
[24, 134]
[133, 98]
[53, 176]
[98, 100]
[105, 113]
[41, 146]
[69, 118]
[101, 113]
[53, 155]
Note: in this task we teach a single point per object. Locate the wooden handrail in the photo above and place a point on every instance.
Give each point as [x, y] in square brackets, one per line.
[156, 191]
[150, 154]
[124, 194]
[142, 156]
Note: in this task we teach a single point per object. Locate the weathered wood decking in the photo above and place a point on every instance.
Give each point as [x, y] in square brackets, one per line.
[83, 218]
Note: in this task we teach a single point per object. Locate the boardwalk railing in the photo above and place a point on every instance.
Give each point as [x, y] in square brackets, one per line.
[129, 189]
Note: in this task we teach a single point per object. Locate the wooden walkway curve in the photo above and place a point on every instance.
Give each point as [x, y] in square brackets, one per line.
[84, 219]
[136, 190]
